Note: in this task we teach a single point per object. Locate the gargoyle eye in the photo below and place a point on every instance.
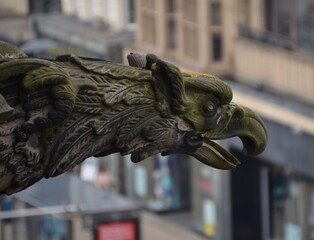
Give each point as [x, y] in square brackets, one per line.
[209, 108]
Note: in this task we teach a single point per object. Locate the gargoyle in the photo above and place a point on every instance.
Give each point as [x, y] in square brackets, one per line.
[56, 113]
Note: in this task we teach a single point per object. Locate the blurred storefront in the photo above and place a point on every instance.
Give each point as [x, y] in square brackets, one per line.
[106, 173]
[161, 183]
[272, 195]
[275, 201]
[65, 207]
[210, 205]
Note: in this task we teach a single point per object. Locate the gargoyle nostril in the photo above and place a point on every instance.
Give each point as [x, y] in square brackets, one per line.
[238, 114]
[192, 139]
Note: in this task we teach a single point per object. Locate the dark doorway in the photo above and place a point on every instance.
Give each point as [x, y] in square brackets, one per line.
[246, 199]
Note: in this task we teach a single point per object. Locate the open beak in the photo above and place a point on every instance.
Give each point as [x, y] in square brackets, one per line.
[243, 123]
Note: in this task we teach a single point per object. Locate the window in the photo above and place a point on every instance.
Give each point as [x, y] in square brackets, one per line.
[217, 47]
[131, 16]
[305, 24]
[190, 43]
[279, 16]
[244, 11]
[44, 6]
[283, 25]
[149, 29]
[215, 16]
[148, 3]
[292, 21]
[171, 36]
[190, 10]
[171, 6]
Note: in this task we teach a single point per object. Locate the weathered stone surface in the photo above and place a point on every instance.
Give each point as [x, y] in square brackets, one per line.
[56, 113]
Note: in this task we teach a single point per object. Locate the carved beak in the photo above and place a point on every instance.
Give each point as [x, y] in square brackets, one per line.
[243, 123]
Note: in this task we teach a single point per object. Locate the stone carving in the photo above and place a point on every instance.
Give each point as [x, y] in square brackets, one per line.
[56, 113]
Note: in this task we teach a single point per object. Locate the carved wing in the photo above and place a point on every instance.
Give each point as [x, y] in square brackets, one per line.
[103, 120]
[36, 95]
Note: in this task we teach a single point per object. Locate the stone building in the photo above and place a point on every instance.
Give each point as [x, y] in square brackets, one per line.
[262, 43]
[195, 34]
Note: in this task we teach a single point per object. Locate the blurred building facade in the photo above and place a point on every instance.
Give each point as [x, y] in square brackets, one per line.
[265, 48]
[250, 41]
[26, 7]
[118, 14]
[195, 34]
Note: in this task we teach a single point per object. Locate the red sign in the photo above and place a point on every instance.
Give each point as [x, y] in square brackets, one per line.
[117, 231]
[205, 185]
